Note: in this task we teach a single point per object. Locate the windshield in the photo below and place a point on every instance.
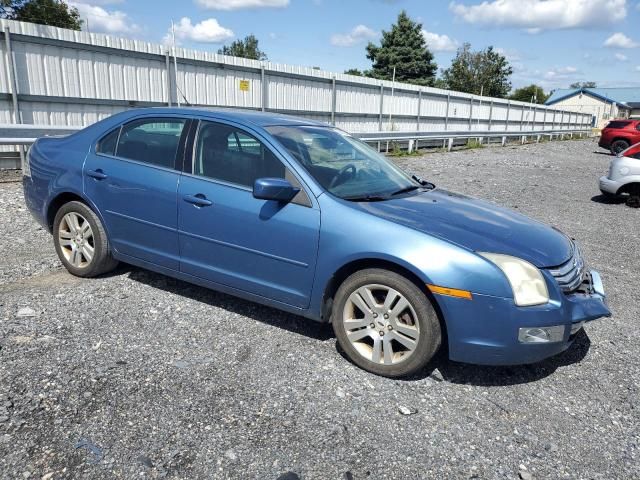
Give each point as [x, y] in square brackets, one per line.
[342, 164]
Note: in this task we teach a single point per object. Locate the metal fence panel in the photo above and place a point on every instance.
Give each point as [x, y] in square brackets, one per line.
[75, 78]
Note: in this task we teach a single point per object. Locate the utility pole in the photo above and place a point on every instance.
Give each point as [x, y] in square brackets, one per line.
[175, 61]
[393, 85]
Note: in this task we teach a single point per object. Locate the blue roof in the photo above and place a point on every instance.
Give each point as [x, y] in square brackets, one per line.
[255, 117]
[622, 95]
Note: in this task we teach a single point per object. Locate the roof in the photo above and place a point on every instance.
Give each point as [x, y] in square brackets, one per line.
[257, 118]
[621, 96]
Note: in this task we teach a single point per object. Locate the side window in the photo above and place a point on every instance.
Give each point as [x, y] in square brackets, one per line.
[107, 144]
[225, 153]
[151, 140]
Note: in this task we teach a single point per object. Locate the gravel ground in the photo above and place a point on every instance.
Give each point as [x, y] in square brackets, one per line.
[139, 375]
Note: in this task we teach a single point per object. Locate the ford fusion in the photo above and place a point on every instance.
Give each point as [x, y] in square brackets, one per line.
[303, 217]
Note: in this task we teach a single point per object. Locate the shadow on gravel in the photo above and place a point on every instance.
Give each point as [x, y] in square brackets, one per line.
[261, 313]
[503, 376]
[608, 200]
[608, 154]
[447, 370]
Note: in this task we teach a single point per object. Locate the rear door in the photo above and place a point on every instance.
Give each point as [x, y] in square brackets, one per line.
[227, 236]
[132, 178]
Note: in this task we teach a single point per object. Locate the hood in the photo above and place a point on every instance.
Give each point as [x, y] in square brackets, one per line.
[475, 224]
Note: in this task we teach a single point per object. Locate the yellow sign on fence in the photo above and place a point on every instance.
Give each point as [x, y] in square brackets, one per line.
[244, 85]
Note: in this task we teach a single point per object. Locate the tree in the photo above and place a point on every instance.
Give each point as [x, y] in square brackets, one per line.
[247, 48]
[354, 71]
[583, 85]
[45, 12]
[404, 48]
[483, 71]
[532, 93]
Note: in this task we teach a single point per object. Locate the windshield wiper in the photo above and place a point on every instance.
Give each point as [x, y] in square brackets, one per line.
[424, 183]
[367, 198]
[410, 188]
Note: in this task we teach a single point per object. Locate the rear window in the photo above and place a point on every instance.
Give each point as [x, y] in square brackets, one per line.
[151, 140]
[108, 143]
[617, 124]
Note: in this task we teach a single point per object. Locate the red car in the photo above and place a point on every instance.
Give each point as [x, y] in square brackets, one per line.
[619, 135]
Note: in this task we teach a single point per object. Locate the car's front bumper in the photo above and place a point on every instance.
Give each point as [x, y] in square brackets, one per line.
[609, 186]
[486, 329]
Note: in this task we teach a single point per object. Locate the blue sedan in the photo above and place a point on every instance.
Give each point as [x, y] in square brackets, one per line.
[306, 218]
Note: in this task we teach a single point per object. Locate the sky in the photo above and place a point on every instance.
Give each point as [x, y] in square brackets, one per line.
[552, 43]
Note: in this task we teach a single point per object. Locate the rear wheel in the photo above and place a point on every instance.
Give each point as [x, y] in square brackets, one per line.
[384, 323]
[619, 146]
[81, 241]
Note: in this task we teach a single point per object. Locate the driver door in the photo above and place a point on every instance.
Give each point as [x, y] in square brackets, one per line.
[229, 237]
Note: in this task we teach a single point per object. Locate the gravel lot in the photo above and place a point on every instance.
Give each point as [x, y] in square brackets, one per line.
[140, 375]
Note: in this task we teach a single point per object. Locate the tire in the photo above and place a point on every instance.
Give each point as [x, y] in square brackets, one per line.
[633, 201]
[619, 146]
[83, 250]
[396, 346]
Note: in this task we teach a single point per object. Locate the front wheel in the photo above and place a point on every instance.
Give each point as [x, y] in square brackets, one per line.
[81, 241]
[619, 146]
[384, 323]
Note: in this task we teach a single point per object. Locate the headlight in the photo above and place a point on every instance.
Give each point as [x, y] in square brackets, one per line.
[527, 283]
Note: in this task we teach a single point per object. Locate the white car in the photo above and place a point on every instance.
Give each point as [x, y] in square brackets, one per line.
[624, 176]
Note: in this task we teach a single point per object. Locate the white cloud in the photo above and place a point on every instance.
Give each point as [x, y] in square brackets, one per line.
[239, 4]
[638, 68]
[207, 31]
[439, 43]
[538, 15]
[106, 2]
[561, 73]
[620, 40]
[621, 57]
[97, 19]
[359, 34]
[509, 54]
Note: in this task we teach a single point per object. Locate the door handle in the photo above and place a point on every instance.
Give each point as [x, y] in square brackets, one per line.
[97, 174]
[199, 200]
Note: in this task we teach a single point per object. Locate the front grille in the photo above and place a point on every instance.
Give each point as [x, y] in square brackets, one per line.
[570, 275]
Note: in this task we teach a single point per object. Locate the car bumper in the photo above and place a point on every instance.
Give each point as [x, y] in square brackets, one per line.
[489, 330]
[609, 186]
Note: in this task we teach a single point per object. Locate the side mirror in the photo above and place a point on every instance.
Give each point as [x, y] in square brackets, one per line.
[277, 189]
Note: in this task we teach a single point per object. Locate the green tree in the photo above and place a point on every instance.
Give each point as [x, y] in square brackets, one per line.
[354, 71]
[483, 71]
[246, 48]
[532, 93]
[45, 12]
[404, 48]
[583, 85]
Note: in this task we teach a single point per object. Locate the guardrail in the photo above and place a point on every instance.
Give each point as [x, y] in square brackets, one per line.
[22, 134]
[413, 138]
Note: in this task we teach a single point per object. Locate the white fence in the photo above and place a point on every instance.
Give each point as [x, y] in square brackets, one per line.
[53, 76]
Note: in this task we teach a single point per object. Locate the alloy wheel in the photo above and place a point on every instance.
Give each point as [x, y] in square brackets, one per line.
[381, 324]
[76, 240]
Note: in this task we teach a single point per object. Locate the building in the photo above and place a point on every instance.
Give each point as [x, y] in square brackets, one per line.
[603, 103]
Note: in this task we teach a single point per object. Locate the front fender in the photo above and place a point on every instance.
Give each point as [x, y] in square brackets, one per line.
[349, 235]
[627, 181]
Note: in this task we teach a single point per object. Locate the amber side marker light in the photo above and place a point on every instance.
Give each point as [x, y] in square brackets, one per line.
[450, 292]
